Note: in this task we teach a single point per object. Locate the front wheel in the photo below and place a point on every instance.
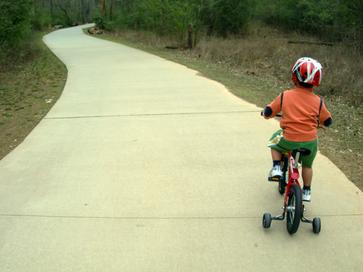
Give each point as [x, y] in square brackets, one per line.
[294, 209]
[282, 181]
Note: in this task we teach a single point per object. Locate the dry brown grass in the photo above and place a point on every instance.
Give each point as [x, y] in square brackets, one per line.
[273, 56]
[144, 38]
[265, 52]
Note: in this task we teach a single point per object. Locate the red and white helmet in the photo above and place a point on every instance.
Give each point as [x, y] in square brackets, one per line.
[307, 70]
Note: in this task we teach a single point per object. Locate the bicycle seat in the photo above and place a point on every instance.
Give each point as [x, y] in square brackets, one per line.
[302, 151]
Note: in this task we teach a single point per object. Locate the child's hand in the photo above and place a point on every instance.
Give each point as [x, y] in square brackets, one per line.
[267, 112]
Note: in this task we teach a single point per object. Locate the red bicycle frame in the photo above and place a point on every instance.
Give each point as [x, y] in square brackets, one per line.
[293, 173]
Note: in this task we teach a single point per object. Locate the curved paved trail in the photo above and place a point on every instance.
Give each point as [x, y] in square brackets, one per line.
[143, 165]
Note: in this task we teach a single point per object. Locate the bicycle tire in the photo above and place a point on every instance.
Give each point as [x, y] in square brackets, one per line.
[294, 209]
[282, 182]
[316, 225]
[266, 220]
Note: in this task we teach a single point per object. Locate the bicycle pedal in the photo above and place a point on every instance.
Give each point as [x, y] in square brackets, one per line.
[274, 179]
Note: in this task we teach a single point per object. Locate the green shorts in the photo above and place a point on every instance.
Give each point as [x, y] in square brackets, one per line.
[277, 142]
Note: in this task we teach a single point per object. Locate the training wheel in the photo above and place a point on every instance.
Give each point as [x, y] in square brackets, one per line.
[266, 220]
[316, 225]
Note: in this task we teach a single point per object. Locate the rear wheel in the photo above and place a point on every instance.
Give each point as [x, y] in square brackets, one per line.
[294, 209]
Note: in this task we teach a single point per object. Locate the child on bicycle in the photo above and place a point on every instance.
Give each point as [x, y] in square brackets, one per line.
[302, 113]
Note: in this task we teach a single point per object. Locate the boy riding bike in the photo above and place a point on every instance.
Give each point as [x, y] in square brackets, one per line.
[302, 113]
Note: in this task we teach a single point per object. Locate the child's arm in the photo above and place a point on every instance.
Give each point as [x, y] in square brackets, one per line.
[273, 108]
[325, 116]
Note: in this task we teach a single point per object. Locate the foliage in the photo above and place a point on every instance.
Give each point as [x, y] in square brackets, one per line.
[221, 17]
[160, 16]
[40, 19]
[334, 20]
[225, 17]
[14, 22]
[99, 21]
[62, 12]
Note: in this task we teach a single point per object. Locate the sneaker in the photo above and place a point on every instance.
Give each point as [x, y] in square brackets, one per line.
[275, 173]
[306, 195]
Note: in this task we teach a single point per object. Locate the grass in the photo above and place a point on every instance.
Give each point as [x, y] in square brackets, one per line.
[28, 89]
[256, 68]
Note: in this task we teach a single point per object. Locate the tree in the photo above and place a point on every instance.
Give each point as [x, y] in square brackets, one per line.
[103, 8]
[112, 4]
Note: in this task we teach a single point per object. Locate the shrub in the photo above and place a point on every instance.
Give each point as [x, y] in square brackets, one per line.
[333, 20]
[14, 22]
[225, 17]
[40, 19]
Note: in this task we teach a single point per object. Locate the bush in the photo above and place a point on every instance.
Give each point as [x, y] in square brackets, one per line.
[223, 17]
[165, 17]
[40, 19]
[98, 20]
[333, 20]
[14, 22]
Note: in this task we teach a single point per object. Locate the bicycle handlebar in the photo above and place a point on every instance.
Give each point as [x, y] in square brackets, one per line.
[277, 115]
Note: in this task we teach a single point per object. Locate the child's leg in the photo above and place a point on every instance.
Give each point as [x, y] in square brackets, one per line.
[275, 172]
[276, 155]
[307, 163]
[307, 175]
[276, 165]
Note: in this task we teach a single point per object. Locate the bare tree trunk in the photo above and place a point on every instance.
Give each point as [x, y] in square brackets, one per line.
[82, 10]
[51, 8]
[111, 8]
[103, 7]
[87, 11]
[190, 36]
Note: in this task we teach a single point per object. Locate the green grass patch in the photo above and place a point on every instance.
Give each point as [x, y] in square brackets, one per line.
[342, 143]
[29, 87]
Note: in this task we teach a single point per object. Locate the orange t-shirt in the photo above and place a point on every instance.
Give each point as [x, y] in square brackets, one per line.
[300, 111]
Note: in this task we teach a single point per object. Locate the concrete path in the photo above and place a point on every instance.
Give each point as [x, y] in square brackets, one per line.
[143, 165]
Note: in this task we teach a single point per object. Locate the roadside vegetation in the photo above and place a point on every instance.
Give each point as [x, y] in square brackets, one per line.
[31, 77]
[28, 89]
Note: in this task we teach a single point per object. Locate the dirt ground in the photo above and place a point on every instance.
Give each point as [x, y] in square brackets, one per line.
[27, 92]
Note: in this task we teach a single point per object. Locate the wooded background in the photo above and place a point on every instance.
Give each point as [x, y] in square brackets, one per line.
[332, 20]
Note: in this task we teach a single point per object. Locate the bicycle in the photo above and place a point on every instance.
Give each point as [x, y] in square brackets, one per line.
[293, 208]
